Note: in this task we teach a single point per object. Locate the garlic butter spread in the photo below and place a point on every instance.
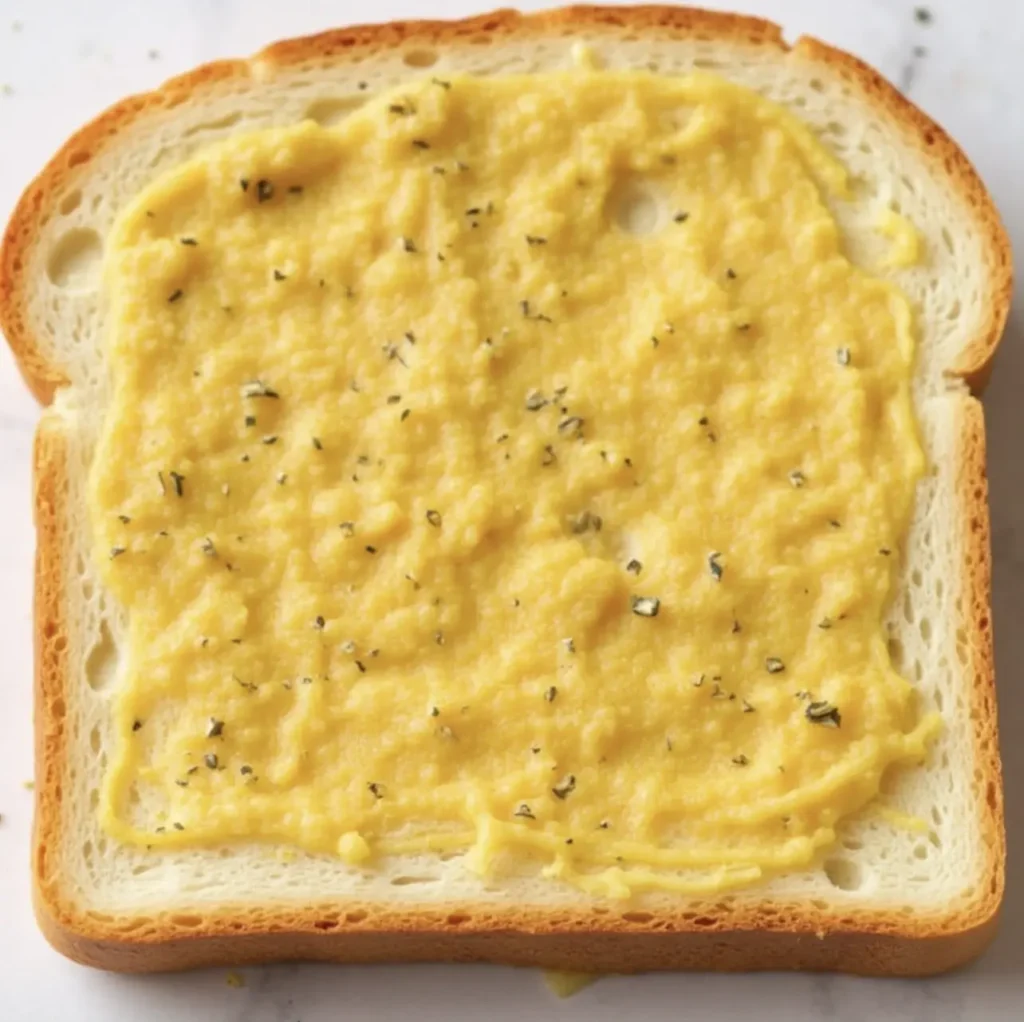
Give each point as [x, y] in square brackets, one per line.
[518, 467]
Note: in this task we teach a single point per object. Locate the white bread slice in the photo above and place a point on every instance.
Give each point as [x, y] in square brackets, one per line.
[890, 901]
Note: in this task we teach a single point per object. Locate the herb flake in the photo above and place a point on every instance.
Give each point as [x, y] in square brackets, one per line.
[565, 787]
[715, 567]
[824, 713]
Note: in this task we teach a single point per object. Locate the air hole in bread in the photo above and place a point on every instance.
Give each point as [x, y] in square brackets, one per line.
[70, 202]
[896, 653]
[707, 63]
[186, 921]
[134, 925]
[925, 627]
[355, 916]
[920, 852]
[74, 260]
[457, 918]
[844, 874]
[95, 740]
[887, 785]
[331, 924]
[634, 207]
[101, 663]
[954, 310]
[219, 124]
[422, 57]
[407, 881]
[330, 110]
[637, 917]
[852, 844]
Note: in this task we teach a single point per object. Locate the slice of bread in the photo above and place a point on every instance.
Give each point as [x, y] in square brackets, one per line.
[891, 900]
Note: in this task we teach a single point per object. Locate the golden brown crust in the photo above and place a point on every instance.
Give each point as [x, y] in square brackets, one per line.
[723, 935]
[51, 656]
[972, 490]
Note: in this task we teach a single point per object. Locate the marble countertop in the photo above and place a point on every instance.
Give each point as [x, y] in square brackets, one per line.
[61, 63]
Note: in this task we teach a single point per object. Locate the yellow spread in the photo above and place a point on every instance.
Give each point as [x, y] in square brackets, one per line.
[568, 984]
[904, 240]
[519, 466]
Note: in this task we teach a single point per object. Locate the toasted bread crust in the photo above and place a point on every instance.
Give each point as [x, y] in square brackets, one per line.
[766, 936]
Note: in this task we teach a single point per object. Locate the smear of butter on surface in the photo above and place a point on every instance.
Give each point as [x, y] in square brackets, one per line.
[898, 818]
[906, 246]
[566, 984]
[476, 477]
[584, 57]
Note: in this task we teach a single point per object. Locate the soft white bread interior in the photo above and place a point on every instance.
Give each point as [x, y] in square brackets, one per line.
[886, 881]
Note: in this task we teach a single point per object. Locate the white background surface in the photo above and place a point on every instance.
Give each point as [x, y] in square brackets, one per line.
[60, 64]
